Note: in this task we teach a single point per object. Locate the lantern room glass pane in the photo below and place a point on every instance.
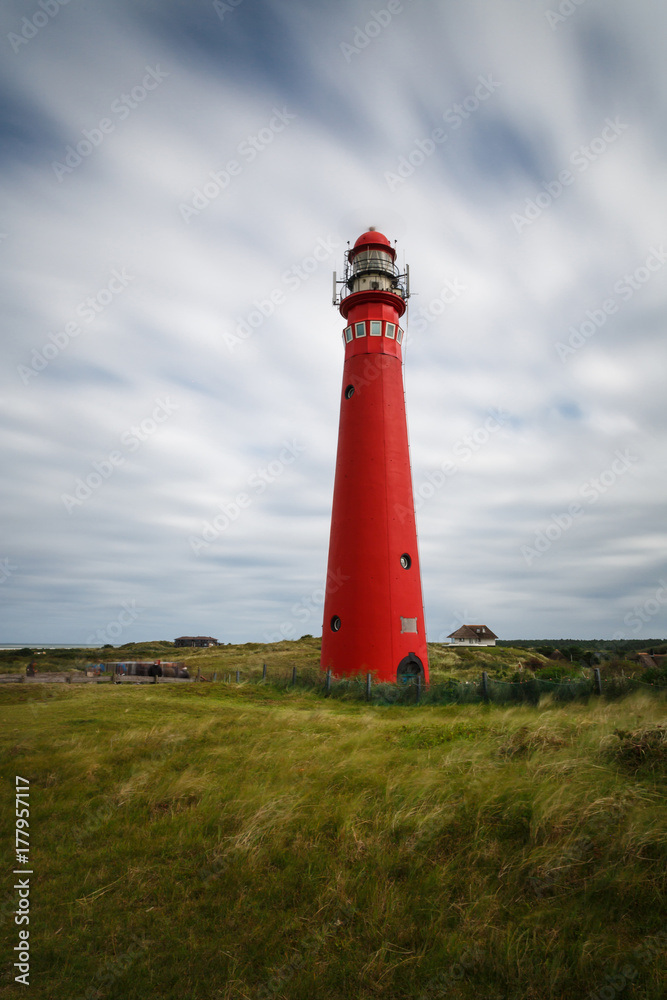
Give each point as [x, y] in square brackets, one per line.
[390, 330]
[368, 260]
[399, 338]
[376, 328]
[360, 329]
[348, 334]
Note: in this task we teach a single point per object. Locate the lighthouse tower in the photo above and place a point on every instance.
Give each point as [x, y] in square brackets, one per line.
[373, 608]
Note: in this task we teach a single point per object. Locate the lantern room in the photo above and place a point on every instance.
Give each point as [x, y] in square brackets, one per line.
[371, 266]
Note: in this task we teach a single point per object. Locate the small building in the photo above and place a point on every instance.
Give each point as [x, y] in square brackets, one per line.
[195, 640]
[652, 660]
[473, 635]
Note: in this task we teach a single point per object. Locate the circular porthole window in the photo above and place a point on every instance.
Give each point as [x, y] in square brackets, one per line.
[335, 623]
[349, 391]
[406, 561]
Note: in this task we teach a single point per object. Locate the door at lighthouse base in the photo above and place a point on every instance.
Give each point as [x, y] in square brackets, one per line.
[409, 669]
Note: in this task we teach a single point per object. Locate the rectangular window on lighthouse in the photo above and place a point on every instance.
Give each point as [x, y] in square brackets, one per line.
[376, 328]
[360, 329]
[348, 334]
[390, 330]
[399, 338]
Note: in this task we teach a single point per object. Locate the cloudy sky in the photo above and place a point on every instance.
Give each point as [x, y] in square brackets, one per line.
[181, 178]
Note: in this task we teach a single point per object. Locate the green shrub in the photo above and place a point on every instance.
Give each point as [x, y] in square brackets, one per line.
[556, 672]
[655, 675]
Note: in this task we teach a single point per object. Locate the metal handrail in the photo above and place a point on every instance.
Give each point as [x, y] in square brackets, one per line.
[400, 281]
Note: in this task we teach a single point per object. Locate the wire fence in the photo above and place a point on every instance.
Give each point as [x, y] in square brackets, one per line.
[411, 689]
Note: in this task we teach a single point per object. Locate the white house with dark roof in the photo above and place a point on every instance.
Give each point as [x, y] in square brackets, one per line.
[473, 635]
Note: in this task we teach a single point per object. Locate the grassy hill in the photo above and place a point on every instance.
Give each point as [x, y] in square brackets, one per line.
[500, 662]
[223, 841]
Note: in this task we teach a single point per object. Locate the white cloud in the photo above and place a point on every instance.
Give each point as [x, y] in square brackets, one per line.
[322, 178]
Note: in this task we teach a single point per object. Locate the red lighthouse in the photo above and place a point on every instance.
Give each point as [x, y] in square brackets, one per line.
[373, 608]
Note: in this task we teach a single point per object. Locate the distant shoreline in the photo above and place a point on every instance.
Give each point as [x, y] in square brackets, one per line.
[50, 645]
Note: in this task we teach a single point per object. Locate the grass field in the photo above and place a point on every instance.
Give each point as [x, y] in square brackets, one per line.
[500, 662]
[215, 841]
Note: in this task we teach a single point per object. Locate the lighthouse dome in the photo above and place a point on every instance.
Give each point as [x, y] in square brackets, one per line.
[373, 238]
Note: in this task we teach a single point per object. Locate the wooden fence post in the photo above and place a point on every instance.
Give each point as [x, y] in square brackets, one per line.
[327, 683]
[485, 685]
[215, 676]
[597, 680]
[264, 671]
[369, 681]
[238, 676]
[293, 675]
[419, 688]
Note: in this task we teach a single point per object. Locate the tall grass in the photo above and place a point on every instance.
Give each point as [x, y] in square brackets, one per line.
[249, 657]
[208, 841]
